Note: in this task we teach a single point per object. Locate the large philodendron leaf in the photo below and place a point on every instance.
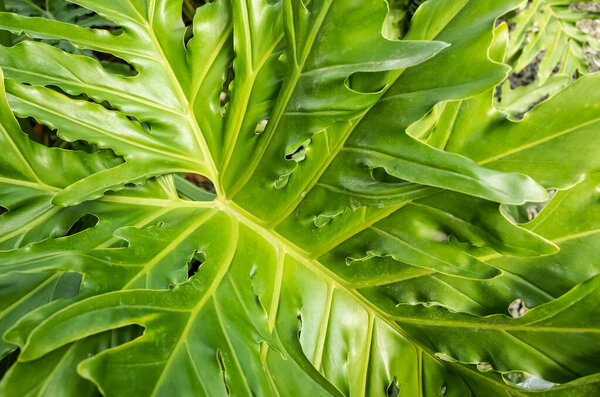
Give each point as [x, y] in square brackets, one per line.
[163, 94]
[26, 191]
[339, 256]
[533, 281]
[292, 163]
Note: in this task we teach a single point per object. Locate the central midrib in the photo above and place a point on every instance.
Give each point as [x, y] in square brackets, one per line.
[303, 256]
[189, 114]
[272, 236]
[325, 274]
[287, 90]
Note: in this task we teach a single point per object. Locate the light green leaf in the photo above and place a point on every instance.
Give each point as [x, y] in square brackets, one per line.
[547, 35]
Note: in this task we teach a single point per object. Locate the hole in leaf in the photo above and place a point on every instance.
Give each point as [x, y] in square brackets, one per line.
[116, 337]
[528, 74]
[256, 288]
[300, 323]
[300, 153]
[193, 187]
[188, 13]
[261, 126]
[113, 338]
[515, 377]
[393, 390]
[528, 381]
[201, 181]
[517, 308]
[322, 220]
[521, 116]
[366, 257]
[85, 222]
[484, 366]
[224, 100]
[197, 260]
[2, 210]
[225, 94]
[144, 124]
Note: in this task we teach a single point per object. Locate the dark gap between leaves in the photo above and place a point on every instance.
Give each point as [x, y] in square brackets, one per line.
[85, 222]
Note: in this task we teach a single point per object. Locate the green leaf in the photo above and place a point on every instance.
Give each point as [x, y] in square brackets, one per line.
[164, 93]
[536, 143]
[27, 189]
[546, 34]
[346, 251]
[549, 26]
[536, 340]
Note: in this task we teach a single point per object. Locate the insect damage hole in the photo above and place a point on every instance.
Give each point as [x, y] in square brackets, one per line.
[300, 323]
[300, 153]
[261, 126]
[225, 94]
[517, 308]
[484, 366]
[145, 125]
[297, 155]
[201, 181]
[393, 390]
[194, 265]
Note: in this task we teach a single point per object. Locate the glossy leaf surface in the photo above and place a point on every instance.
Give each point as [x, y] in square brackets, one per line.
[339, 255]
